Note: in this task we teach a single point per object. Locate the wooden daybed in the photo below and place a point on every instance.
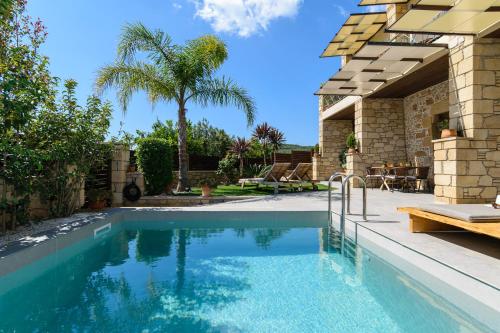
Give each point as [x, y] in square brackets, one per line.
[476, 218]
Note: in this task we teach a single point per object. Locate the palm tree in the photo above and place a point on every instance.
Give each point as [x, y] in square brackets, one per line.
[240, 147]
[261, 134]
[173, 73]
[276, 140]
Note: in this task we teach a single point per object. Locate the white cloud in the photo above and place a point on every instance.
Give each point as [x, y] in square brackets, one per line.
[378, 8]
[177, 5]
[244, 17]
[342, 11]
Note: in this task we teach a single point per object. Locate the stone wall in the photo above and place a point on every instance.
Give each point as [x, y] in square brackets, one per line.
[464, 172]
[468, 169]
[380, 129]
[332, 138]
[420, 109]
[332, 142]
[195, 176]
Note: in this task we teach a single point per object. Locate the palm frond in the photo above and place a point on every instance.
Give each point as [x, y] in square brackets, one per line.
[130, 78]
[262, 132]
[224, 92]
[138, 38]
[207, 53]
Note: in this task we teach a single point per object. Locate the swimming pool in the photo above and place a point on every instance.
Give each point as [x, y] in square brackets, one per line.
[234, 272]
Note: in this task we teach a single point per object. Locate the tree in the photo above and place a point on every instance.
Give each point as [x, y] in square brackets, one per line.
[173, 73]
[240, 148]
[276, 140]
[5, 8]
[261, 134]
[69, 139]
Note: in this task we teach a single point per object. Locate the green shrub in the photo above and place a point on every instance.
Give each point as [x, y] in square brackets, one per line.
[227, 169]
[154, 157]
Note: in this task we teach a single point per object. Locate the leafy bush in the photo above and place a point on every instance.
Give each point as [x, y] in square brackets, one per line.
[253, 170]
[227, 169]
[154, 157]
[69, 139]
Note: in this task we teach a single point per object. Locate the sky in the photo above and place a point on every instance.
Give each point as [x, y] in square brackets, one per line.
[274, 48]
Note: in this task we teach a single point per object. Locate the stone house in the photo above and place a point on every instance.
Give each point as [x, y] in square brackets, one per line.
[404, 71]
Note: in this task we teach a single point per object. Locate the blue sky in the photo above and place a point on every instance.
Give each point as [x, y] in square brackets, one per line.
[273, 53]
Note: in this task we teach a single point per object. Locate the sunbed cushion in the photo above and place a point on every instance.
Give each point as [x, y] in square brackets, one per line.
[465, 212]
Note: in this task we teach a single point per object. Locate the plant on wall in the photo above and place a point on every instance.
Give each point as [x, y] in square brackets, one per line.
[351, 142]
[154, 157]
[343, 158]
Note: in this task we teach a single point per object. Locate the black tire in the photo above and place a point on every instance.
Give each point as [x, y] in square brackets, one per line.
[132, 192]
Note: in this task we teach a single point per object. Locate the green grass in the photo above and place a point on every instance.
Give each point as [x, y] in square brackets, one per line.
[250, 190]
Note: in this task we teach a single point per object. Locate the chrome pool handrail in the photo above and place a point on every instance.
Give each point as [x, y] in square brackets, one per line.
[346, 183]
[332, 178]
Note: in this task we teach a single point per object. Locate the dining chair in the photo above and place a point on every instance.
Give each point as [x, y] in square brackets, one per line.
[373, 175]
[397, 176]
[420, 180]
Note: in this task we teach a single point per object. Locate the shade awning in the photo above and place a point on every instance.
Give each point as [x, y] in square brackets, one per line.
[380, 2]
[379, 64]
[355, 32]
[465, 17]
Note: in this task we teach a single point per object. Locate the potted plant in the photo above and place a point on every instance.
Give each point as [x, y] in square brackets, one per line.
[207, 184]
[444, 127]
[316, 151]
[98, 198]
[351, 143]
[132, 168]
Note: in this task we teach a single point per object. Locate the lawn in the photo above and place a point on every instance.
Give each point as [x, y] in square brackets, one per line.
[250, 190]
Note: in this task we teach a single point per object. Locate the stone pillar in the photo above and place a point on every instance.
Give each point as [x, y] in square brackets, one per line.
[332, 140]
[469, 167]
[380, 130]
[119, 166]
[356, 166]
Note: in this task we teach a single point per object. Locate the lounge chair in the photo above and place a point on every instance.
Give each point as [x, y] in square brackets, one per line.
[478, 218]
[301, 175]
[271, 178]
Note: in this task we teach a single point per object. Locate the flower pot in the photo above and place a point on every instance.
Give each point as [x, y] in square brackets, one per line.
[206, 191]
[448, 133]
[97, 205]
[352, 150]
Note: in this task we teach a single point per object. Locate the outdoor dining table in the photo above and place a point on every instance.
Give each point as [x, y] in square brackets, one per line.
[386, 170]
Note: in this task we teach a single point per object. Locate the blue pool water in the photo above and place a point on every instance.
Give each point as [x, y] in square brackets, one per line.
[219, 280]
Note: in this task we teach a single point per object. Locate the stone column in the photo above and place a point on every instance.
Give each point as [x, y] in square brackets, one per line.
[380, 130]
[332, 138]
[469, 166]
[119, 166]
